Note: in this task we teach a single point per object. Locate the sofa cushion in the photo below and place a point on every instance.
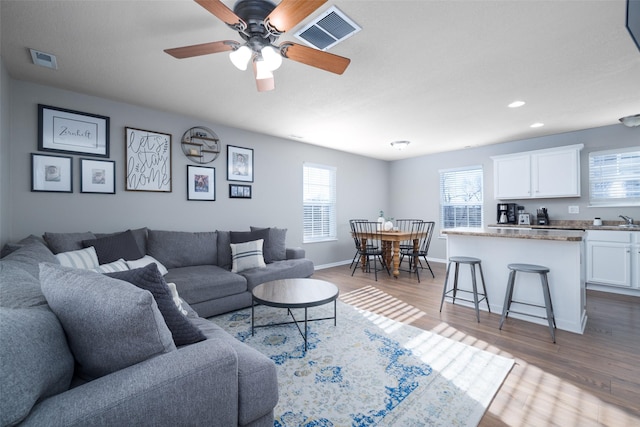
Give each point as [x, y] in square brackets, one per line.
[10, 247]
[65, 242]
[249, 236]
[18, 288]
[82, 258]
[114, 247]
[247, 255]
[288, 269]
[182, 249]
[30, 255]
[110, 324]
[224, 249]
[274, 248]
[199, 283]
[149, 278]
[36, 361]
[112, 267]
[146, 260]
[140, 234]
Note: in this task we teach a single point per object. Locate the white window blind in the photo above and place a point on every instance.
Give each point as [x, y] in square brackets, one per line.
[614, 178]
[461, 197]
[319, 199]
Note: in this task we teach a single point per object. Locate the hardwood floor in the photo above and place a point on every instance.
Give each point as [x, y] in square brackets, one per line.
[582, 380]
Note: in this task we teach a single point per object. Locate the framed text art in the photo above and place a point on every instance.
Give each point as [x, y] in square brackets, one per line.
[201, 183]
[148, 160]
[51, 173]
[97, 176]
[239, 164]
[239, 191]
[68, 131]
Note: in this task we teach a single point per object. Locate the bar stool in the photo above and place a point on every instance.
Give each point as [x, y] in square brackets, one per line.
[529, 268]
[472, 263]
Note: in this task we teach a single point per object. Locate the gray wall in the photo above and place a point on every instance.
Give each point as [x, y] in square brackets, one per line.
[415, 181]
[5, 219]
[277, 190]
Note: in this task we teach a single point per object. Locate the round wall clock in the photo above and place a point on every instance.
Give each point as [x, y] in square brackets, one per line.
[201, 145]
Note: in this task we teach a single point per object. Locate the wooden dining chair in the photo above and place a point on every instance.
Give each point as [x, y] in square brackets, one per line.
[371, 250]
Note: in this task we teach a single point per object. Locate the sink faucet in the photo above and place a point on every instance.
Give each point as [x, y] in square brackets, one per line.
[628, 219]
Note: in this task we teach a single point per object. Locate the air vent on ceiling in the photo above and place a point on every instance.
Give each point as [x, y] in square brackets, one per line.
[328, 29]
[44, 59]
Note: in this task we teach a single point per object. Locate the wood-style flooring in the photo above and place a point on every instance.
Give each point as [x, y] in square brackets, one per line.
[582, 380]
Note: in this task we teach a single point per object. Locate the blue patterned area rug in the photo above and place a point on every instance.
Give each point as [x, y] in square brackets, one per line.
[369, 370]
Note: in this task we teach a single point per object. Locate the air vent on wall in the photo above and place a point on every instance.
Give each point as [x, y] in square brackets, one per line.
[44, 59]
[328, 29]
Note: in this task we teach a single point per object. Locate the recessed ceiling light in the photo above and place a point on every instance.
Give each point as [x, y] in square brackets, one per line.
[516, 104]
[400, 145]
[44, 59]
[537, 125]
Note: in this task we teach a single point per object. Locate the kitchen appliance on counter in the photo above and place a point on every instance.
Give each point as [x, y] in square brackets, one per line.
[542, 216]
[524, 218]
[507, 213]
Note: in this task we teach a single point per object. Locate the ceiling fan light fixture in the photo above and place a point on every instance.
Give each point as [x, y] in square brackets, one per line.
[240, 57]
[631, 121]
[271, 57]
[400, 145]
[262, 70]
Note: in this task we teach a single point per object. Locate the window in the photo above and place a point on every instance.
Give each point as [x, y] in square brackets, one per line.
[614, 178]
[461, 197]
[319, 199]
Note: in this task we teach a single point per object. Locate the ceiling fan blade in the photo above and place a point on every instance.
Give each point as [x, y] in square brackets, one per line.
[263, 84]
[289, 13]
[222, 12]
[315, 58]
[202, 49]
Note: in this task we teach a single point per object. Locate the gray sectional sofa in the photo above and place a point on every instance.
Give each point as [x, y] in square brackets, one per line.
[82, 348]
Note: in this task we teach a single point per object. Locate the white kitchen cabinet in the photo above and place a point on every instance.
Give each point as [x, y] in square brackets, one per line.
[553, 172]
[613, 258]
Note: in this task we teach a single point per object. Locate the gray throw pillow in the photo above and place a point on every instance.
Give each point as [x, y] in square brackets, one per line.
[110, 324]
[140, 234]
[112, 248]
[65, 242]
[36, 362]
[275, 248]
[149, 277]
[182, 248]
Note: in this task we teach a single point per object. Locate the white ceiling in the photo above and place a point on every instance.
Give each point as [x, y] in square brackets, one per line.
[437, 73]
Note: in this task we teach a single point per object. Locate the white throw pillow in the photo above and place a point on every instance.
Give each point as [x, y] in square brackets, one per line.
[112, 267]
[85, 259]
[176, 298]
[247, 255]
[146, 260]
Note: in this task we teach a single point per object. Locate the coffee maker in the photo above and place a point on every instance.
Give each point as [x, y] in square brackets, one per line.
[507, 213]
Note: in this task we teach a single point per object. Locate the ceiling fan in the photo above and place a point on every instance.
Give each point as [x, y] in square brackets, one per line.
[260, 23]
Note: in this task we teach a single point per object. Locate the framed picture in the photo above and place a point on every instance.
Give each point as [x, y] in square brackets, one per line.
[97, 176]
[239, 164]
[148, 160]
[201, 183]
[51, 173]
[68, 131]
[239, 191]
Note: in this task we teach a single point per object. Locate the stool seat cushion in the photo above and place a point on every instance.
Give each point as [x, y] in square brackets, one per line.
[528, 268]
[464, 259]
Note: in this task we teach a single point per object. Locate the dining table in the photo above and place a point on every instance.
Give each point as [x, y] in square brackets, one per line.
[390, 246]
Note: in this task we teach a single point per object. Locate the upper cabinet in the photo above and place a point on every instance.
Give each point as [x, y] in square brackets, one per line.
[554, 172]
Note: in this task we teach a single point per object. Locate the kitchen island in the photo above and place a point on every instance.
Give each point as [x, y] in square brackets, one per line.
[562, 251]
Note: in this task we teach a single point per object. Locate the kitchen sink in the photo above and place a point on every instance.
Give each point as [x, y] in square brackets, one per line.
[629, 225]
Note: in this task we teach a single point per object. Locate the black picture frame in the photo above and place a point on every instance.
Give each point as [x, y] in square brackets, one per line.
[201, 183]
[237, 191]
[67, 131]
[239, 164]
[51, 174]
[97, 176]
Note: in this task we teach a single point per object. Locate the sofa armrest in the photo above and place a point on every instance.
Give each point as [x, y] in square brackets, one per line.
[295, 253]
[196, 385]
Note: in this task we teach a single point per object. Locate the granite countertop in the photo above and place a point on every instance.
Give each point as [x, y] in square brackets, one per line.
[572, 225]
[520, 233]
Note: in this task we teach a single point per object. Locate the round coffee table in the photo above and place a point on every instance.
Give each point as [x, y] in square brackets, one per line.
[294, 293]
